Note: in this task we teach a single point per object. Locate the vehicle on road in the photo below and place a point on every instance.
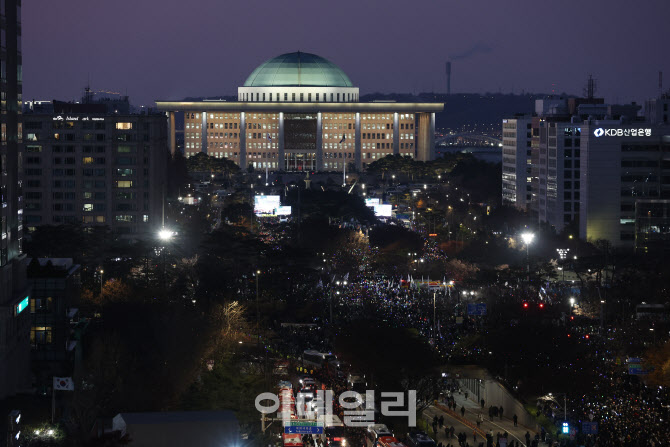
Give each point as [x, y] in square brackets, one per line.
[316, 359]
[336, 436]
[419, 439]
[389, 441]
[375, 432]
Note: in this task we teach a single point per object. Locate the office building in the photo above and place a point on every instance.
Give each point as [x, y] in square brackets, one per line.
[559, 169]
[652, 226]
[300, 112]
[55, 284]
[14, 291]
[656, 110]
[516, 161]
[86, 164]
[625, 171]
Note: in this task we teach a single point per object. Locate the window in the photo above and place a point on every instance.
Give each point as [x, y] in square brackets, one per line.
[124, 184]
[124, 126]
[88, 207]
[124, 172]
[87, 160]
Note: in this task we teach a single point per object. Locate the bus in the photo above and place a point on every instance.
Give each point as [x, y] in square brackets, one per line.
[318, 359]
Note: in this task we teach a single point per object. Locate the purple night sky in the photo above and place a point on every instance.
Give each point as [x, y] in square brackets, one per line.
[167, 49]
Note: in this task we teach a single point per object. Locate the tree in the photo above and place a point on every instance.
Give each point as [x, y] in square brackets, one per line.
[114, 291]
[177, 174]
[460, 270]
[202, 162]
[657, 360]
[230, 321]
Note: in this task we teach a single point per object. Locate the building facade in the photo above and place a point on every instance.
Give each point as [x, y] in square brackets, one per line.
[300, 112]
[516, 161]
[559, 167]
[594, 167]
[657, 110]
[55, 287]
[95, 168]
[14, 290]
[652, 226]
[625, 167]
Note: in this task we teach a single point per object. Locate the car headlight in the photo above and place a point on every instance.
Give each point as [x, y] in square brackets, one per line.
[344, 442]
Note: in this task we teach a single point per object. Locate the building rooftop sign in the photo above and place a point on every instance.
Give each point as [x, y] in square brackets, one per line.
[77, 118]
[639, 132]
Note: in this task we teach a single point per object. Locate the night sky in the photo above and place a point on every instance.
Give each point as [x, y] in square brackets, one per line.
[166, 49]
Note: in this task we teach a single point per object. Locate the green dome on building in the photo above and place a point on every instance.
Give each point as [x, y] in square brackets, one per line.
[298, 70]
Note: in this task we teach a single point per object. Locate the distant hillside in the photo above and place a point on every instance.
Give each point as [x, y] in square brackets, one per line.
[467, 110]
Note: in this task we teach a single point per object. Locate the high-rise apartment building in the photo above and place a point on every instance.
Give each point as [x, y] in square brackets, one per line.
[86, 164]
[14, 291]
[300, 112]
[516, 161]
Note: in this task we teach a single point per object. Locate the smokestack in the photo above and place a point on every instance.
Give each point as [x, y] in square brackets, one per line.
[448, 77]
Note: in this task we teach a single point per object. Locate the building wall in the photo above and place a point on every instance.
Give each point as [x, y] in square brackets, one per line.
[261, 152]
[559, 172]
[657, 110]
[335, 154]
[617, 172]
[516, 170]
[52, 295]
[96, 170]
[14, 328]
[652, 225]
[375, 137]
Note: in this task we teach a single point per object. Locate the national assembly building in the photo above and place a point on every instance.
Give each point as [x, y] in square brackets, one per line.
[300, 112]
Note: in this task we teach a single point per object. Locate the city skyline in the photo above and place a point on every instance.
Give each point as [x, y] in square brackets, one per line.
[173, 52]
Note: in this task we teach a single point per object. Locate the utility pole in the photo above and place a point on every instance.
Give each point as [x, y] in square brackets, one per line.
[330, 304]
[434, 320]
[258, 313]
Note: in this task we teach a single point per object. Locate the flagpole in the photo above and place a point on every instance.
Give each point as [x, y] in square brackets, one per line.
[53, 401]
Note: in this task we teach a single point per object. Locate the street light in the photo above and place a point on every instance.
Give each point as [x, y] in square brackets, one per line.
[527, 239]
[164, 235]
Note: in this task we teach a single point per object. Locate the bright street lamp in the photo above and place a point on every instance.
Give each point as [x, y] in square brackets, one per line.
[527, 238]
[164, 234]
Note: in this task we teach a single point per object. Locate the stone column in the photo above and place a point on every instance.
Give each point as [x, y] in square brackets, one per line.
[171, 129]
[243, 141]
[396, 134]
[357, 143]
[203, 135]
[423, 140]
[319, 142]
[281, 163]
[431, 136]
